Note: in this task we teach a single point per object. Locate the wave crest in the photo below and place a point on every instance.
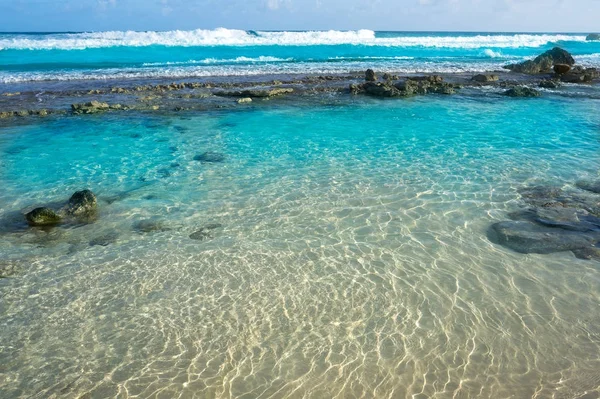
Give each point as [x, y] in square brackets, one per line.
[233, 37]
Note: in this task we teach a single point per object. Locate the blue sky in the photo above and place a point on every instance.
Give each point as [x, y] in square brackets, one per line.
[453, 15]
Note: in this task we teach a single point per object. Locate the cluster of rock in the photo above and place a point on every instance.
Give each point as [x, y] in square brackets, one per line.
[255, 93]
[94, 107]
[557, 61]
[24, 113]
[554, 221]
[522, 91]
[404, 88]
[543, 63]
[81, 208]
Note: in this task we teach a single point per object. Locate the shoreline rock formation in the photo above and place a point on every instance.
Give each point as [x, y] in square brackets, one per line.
[554, 220]
[548, 70]
[80, 208]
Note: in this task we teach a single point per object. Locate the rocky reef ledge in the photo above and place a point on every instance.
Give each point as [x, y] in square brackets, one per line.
[549, 70]
[554, 219]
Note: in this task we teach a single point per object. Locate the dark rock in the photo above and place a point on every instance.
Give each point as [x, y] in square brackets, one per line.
[593, 186]
[522, 91]
[593, 36]
[443, 88]
[543, 196]
[256, 93]
[580, 75]
[381, 89]
[105, 239]
[527, 237]
[356, 89]
[91, 107]
[566, 218]
[561, 69]
[483, 78]
[587, 253]
[210, 156]
[149, 226]
[549, 84]
[559, 56]
[434, 79]
[42, 217]
[205, 232]
[82, 203]
[543, 62]
[388, 77]
[408, 87]
[370, 75]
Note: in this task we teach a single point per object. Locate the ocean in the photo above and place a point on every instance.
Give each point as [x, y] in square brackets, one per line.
[226, 52]
[338, 247]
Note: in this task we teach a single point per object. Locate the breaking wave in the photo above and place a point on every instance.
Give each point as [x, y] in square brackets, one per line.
[233, 37]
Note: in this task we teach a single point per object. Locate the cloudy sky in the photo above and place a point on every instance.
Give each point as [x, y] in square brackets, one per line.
[450, 15]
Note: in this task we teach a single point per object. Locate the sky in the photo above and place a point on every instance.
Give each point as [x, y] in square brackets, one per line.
[398, 15]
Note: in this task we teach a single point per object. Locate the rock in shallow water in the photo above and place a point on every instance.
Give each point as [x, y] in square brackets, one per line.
[149, 226]
[370, 75]
[105, 239]
[522, 91]
[82, 203]
[592, 186]
[543, 62]
[483, 78]
[210, 156]
[527, 237]
[205, 232]
[560, 217]
[42, 217]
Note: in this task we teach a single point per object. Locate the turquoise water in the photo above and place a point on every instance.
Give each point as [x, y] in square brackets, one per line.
[351, 260]
[223, 52]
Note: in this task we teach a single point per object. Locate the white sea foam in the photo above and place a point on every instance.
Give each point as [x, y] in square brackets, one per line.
[491, 53]
[183, 71]
[212, 61]
[232, 37]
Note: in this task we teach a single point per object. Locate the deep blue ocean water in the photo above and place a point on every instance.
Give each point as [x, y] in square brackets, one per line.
[347, 253]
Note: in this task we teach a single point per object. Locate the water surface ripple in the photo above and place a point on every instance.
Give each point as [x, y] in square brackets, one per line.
[351, 261]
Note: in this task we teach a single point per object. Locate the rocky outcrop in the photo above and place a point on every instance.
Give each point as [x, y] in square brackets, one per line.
[23, 113]
[592, 186]
[579, 74]
[42, 217]
[593, 36]
[485, 78]
[522, 91]
[408, 87]
[81, 208]
[82, 203]
[554, 220]
[92, 107]
[370, 75]
[256, 93]
[527, 237]
[561, 69]
[543, 63]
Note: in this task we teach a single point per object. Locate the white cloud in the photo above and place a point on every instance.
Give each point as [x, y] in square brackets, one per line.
[277, 4]
[272, 4]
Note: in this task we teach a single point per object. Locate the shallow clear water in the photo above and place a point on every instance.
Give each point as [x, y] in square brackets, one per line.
[28, 57]
[352, 260]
